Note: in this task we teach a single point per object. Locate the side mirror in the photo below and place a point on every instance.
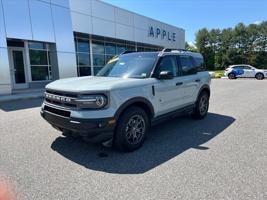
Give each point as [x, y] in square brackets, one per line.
[166, 75]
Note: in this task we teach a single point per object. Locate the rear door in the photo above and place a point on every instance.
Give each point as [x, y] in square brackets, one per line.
[248, 71]
[188, 76]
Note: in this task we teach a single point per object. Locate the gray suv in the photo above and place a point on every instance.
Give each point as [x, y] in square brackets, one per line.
[132, 92]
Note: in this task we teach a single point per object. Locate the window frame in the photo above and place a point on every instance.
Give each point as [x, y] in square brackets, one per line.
[46, 49]
[155, 71]
[181, 72]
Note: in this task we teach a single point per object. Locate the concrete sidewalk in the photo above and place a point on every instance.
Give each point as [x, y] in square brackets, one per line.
[22, 95]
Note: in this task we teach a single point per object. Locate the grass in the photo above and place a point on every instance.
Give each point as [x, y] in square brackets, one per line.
[217, 73]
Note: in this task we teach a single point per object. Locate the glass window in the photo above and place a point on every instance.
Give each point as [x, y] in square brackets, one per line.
[98, 47]
[83, 59]
[40, 73]
[247, 67]
[134, 65]
[83, 46]
[40, 61]
[110, 48]
[84, 71]
[199, 63]
[98, 60]
[187, 66]
[239, 67]
[38, 57]
[168, 63]
[108, 58]
[130, 48]
[37, 45]
[97, 69]
[83, 56]
[120, 48]
[140, 49]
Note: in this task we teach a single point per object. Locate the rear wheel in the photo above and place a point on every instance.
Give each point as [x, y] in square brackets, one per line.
[131, 129]
[259, 76]
[202, 105]
[231, 76]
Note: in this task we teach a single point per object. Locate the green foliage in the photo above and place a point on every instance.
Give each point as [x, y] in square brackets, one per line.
[241, 44]
[190, 47]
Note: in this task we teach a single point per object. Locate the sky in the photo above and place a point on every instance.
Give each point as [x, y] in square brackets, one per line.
[193, 15]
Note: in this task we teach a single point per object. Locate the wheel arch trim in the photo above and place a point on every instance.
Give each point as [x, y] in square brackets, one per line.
[202, 88]
[133, 101]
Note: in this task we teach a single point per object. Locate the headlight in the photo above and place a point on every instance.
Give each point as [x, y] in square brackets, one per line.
[92, 101]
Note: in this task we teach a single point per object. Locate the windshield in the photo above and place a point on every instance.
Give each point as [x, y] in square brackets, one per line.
[132, 65]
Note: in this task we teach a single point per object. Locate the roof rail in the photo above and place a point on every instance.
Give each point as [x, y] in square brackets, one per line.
[124, 52]
[171, 49]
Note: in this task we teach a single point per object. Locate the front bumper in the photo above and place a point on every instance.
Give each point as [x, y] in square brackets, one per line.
[98, 130]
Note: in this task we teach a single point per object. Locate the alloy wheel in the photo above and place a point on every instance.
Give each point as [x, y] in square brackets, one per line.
[135, 129]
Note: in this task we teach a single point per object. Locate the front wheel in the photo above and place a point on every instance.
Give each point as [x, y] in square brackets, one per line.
[202, 105]
[131, 129]
[259, 76]
[231, 76]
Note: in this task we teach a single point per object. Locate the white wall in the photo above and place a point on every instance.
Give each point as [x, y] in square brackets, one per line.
[99, 18]
[39, 20]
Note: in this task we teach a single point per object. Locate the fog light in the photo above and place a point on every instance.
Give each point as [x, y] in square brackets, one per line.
[112, 121]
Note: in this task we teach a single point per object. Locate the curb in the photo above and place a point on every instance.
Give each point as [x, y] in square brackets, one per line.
[20, 97]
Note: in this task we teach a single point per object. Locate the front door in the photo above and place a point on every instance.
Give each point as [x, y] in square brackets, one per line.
[169, 93]
[17, 67]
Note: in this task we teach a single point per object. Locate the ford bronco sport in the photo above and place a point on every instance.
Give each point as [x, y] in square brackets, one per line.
[131, 93]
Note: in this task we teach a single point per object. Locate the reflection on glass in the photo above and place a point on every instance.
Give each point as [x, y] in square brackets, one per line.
[110, 48]
[83, 46]
[40, 73]
[18, 63]
[120, 49]
[97, 69]
[130, 48]
[140, 49]
[83, 59]
[37, 45]
[40, 61]
[108, 58]
[98, 47]
[38, 57]
[98, 60]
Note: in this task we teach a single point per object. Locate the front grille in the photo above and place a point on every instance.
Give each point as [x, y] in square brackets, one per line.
[57, 111]
[61, 93]
[60, 99]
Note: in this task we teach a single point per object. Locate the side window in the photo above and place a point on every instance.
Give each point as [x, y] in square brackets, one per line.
[168, 63]
[199, 63]
[238, 67]
[247, 67]
[187, 66]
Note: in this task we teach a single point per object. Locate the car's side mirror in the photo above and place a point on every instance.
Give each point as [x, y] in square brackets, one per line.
[166, 75]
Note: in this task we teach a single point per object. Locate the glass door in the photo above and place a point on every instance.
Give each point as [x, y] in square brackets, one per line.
[18, 71]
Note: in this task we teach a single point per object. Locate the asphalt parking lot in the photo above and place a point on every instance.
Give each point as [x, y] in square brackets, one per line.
[221, 157]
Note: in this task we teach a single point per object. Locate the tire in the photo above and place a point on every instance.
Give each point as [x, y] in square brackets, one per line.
[131, 130]
[231, 76]
[259, 76]
[202, 106]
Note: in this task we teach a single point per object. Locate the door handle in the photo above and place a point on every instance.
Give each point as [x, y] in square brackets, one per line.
[179, 83]
[197, 80]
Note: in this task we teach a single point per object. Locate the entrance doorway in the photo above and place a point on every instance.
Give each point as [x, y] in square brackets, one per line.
[18, 67]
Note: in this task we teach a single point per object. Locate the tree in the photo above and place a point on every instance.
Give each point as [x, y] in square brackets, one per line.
[190, 47]
[241, 44]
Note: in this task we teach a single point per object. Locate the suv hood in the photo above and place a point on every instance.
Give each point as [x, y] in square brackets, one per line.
[96, 83]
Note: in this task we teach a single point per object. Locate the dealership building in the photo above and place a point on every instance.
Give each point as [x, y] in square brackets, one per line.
[45, 40]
